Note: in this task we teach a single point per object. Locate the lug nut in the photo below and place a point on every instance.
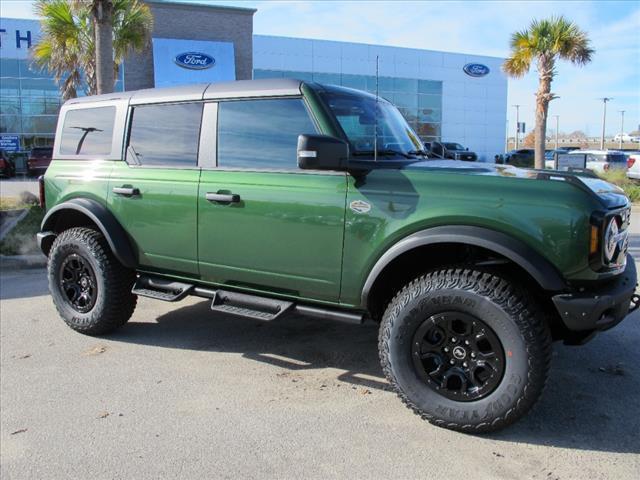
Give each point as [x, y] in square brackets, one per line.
[454, 339]
[466, 342]
[446, 349]
[452, 361]
[473, 354]
[464, 364]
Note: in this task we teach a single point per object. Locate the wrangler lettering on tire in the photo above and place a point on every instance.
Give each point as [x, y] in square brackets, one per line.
[90, 288]
[456, 344]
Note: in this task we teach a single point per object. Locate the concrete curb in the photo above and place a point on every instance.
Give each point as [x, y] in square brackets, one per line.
[19, 262]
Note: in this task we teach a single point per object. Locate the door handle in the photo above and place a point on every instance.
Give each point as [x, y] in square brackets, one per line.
[222, 197]
[126, 191]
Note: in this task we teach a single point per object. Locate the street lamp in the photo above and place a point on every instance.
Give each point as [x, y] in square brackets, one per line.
[604, 118]
[557, 123]
[517, 125]
[621, 128]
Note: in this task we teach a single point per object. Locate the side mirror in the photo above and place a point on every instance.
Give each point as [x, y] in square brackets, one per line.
[322, 152]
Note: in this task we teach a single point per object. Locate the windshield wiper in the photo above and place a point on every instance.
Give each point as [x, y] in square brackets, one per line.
[362, 153]
[417, 152]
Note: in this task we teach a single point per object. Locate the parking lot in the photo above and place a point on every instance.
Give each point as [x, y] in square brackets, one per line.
[181, 392]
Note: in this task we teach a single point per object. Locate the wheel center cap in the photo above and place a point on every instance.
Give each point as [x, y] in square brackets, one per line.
[84, 282]
[459, 352]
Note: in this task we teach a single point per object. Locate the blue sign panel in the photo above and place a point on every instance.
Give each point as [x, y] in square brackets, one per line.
[181, 62]
[10, 143]
[476, 69]
[195, 60]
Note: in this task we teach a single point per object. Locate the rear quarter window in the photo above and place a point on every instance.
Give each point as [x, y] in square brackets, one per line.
[88, 131]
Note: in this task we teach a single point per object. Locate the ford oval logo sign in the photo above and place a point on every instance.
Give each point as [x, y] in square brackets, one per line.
[195, 60]
[476, 69]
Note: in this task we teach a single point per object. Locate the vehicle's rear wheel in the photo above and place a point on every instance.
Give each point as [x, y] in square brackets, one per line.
[465, 349]
[90, 288]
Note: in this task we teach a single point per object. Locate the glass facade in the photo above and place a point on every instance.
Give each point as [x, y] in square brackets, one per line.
[420, 101]
[29, 102]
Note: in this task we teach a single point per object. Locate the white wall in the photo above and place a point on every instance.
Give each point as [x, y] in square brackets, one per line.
[474, 109]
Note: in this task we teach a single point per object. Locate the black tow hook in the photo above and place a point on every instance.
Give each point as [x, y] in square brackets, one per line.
[635, 303]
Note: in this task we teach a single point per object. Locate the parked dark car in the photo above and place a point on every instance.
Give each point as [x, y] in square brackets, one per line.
[523, 157]
[39, 160]
[7, 167]
[450, 150]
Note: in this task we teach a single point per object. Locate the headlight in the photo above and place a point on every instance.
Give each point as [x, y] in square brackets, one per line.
[611, 237]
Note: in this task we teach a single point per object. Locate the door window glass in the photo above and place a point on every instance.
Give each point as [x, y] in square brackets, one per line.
[165, 135]
[261, 133]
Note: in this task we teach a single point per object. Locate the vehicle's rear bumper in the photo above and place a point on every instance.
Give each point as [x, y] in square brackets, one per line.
[599, 308]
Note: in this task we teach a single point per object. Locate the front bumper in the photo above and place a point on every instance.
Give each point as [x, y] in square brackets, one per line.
[602, 307]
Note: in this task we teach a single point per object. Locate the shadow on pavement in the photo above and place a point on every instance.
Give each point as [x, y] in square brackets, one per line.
[590, 402]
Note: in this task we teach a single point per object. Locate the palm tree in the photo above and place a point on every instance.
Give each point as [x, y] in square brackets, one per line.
[102, 13]
[545, 42]
[67, 46]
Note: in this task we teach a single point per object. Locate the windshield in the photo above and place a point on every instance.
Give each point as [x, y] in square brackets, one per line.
[360, 116]
[453, 146]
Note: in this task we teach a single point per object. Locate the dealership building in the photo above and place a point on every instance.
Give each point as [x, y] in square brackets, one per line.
[450, 97]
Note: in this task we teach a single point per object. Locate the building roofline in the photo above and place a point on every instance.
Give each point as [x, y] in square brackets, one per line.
[377, 45]
[187, 5]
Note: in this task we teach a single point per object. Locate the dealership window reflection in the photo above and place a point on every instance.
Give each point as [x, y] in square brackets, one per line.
[419, 101]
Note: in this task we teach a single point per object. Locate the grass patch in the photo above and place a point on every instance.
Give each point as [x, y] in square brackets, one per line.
[22, 239]
[13, 203]
[619, 178]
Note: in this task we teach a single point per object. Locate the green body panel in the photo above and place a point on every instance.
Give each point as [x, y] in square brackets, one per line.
[293, 233]
[548, 216]
[285, 235]
[162, 220]
[67, 179]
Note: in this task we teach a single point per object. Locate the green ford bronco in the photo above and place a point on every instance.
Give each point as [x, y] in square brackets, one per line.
[279, 197]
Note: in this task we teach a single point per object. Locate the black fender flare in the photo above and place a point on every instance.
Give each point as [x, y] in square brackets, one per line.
[509, 247]
[105, 220]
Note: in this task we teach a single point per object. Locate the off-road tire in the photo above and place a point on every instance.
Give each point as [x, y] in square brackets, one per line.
[114, 302]
[509, 312]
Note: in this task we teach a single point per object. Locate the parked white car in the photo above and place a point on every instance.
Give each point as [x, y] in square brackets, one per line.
[625, 137]
[633, 165]
[603, 160]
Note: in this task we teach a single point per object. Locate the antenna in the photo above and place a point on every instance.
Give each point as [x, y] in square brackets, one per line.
[375, 117]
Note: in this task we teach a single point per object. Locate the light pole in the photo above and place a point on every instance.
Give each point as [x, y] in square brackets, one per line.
[557, 124]
[621, 128]
[517, 143]
[604, 118]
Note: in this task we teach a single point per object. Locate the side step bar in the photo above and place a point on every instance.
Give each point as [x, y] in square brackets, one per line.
[234, 303]
[250, 306]
[161, 289]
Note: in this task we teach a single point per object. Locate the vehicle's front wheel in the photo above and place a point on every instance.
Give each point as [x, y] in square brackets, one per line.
[465, 349]
[90, 288]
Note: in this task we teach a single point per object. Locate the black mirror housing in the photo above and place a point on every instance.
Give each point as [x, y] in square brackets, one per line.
[322, 152]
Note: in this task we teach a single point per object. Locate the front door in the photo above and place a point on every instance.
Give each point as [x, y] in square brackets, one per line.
[265, 225]
[154, 193]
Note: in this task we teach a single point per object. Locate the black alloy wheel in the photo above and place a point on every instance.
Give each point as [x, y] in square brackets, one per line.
[78, 282]
[458, 356]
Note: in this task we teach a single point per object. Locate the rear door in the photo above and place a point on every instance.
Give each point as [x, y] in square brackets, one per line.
[264, 224]
[154, 193]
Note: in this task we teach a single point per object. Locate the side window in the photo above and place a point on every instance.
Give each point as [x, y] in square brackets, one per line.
[165, 135]
[261, 133]
[88, 131]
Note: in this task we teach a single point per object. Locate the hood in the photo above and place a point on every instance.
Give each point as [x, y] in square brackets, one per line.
[608, 194]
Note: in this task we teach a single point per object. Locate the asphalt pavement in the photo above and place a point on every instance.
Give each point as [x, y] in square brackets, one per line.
[181, 392]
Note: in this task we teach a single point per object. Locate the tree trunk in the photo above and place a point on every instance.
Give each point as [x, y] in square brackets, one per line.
[543, 97]
[103, 27]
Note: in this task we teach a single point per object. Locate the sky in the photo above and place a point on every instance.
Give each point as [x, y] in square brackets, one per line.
[482, 28]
